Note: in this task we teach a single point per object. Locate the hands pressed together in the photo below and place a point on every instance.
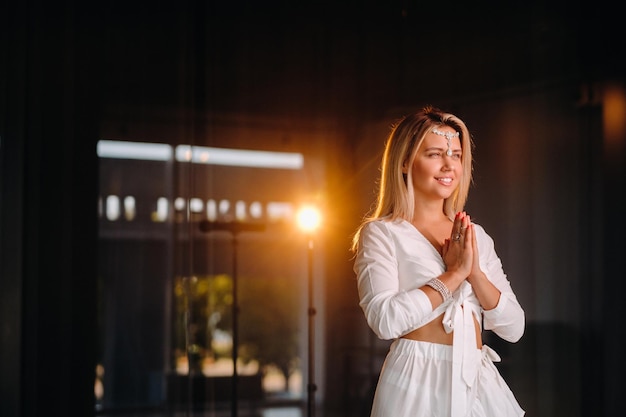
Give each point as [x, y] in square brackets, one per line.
[460, 251]
[460, 254]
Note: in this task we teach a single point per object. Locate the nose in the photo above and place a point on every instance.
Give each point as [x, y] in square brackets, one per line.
[447, 162]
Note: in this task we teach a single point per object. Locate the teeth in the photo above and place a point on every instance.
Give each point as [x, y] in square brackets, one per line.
[446, 180]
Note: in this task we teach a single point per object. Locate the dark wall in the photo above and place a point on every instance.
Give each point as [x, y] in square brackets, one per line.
[48, 130]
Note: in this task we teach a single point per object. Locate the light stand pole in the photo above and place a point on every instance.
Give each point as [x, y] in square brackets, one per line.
[234, 228]
[309, 219]
[311, 387]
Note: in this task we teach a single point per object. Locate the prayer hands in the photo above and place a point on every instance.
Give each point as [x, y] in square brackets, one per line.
[460, 252]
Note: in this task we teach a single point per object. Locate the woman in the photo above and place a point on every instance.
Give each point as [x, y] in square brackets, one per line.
[430, 278]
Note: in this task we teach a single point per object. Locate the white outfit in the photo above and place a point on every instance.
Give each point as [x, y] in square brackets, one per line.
[427, 379]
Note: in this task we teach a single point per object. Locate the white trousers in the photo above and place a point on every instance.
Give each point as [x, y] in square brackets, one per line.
[416, 381]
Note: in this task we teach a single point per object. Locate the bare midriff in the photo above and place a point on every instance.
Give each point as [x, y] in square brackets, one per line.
[434, 332]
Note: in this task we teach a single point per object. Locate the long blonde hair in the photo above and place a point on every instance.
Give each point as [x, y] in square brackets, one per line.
[395, 195]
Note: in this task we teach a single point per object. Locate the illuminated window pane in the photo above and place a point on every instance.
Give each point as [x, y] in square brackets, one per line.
[179, 204]
[196, 205]
[279, 211]
[256, 210]
[113, 207]
[211, 210]
[129, 208]
[240, 210]
[224, 207]
[161, 211]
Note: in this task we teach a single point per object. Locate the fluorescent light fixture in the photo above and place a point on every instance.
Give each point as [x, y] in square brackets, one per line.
[134, 150]
[239, 157]
[200, 155]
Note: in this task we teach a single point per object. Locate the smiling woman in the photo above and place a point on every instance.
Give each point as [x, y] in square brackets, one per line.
[428, 278]
[436, 169]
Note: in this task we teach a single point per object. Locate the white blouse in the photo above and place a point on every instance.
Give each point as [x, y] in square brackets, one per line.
[394, 260]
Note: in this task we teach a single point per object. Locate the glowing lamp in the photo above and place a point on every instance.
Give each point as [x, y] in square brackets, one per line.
[309, 218]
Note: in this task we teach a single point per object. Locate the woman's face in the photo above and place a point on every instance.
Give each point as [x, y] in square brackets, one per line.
[437, 168]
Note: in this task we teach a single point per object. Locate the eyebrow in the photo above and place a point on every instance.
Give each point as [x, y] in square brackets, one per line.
[436, 148]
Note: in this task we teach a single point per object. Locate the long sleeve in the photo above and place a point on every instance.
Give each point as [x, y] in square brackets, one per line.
[394, 260]
[507, 319]
[390, 310]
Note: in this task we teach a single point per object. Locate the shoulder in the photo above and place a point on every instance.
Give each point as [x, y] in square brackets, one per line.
[381, 231]
[384, 225]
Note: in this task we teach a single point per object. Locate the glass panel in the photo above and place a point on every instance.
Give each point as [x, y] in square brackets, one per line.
[202, 272]
[134, 270]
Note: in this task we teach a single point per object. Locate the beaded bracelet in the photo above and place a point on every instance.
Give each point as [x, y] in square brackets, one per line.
[440, 287]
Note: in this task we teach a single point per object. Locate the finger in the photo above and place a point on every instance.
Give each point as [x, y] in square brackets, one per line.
[457, 222]
[459, 234]
[464, 237]
[466, 222]
[469, 236]
[474, 241]
[476, 257]
[457, 227]
[470, 228]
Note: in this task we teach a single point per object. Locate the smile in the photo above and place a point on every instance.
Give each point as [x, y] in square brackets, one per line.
[445, 180]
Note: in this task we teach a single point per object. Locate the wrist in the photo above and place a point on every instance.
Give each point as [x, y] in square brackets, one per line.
[438, 285]
[476, 276]
[452, 279]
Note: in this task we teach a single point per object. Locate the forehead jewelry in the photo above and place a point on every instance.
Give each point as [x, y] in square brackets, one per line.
[448, 136]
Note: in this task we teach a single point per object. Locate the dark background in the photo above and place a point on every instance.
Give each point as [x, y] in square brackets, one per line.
[533, 80]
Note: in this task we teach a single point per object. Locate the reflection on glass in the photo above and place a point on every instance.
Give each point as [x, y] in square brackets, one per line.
[113, 207]
[165, 304]
[269, 339]
[256, 210]
[211, 210]
[196, 205]
[239, 157]
[129, 208]
[160, 215]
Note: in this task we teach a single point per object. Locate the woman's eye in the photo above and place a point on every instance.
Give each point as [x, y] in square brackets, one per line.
[434, 155]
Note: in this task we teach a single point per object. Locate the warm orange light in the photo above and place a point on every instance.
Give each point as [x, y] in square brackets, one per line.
[309, 218]
[614, 107]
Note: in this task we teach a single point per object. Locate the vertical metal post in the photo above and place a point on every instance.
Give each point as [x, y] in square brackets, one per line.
[235, 394]
[311, 387]
[234, 228]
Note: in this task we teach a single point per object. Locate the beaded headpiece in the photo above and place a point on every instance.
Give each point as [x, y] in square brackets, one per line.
[448, 136]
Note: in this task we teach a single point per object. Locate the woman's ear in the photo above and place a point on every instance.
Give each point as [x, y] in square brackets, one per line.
[405, 167]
